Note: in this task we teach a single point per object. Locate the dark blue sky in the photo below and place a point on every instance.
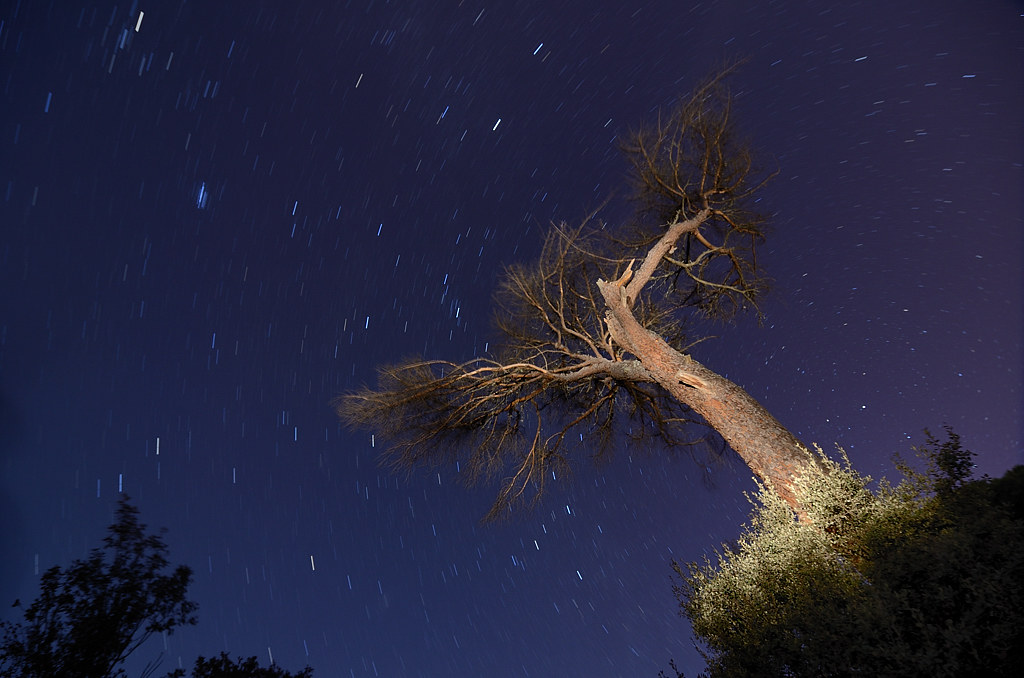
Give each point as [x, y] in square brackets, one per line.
[216, 217]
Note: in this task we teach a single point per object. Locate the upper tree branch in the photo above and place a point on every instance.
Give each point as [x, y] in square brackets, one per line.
[577, 354]
[660, 250]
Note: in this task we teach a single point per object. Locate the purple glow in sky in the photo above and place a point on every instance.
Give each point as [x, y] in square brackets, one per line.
[215, 217]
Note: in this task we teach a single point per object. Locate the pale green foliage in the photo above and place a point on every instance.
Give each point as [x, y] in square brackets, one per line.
[922, 578]
[765, 572]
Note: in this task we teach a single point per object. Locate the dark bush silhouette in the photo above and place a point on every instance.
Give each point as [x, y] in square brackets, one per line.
[90, 617]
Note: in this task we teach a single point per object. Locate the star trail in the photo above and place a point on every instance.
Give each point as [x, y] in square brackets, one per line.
[217, 217]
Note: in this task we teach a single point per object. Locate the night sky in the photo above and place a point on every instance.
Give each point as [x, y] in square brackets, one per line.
[217, 216]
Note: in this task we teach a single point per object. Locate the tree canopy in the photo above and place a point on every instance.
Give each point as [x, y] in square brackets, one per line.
[922, 578]
[222, 666]
[594, 337]
[89, 617]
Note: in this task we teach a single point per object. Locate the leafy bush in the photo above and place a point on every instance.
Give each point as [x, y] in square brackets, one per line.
[921, 578]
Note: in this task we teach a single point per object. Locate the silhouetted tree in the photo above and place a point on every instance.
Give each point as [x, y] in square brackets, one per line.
[595, 335]
[89, 617]
[224, 667]
[922, 579]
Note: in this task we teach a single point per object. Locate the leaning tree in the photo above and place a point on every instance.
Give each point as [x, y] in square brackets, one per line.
[596, 335]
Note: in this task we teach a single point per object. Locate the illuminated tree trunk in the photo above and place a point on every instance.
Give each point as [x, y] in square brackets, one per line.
[774, 454]
[695, 245]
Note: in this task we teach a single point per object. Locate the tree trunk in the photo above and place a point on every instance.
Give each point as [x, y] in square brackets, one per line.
[774, 454]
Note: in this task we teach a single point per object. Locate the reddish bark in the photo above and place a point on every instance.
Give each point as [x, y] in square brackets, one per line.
[774, 454]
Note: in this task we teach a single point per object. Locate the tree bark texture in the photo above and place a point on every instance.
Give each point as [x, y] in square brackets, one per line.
[774, 454]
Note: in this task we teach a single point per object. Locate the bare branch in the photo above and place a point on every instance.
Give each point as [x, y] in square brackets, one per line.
[692, 179]
[566, 368]
[492, 416]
